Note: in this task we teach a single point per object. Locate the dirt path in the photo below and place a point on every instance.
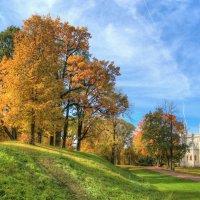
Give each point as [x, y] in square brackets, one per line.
[175, 174]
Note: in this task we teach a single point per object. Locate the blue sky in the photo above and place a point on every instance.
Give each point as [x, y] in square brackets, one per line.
[156, 44]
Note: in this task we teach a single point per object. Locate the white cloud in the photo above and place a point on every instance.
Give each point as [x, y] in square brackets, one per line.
[146, 62]
[118, 44]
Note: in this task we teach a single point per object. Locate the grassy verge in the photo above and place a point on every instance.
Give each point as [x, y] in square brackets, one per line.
[177, 189]
[193, 171]
[39, 172]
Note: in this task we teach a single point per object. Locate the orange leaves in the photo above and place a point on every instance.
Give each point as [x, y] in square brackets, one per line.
[74, 38]
[93, 78]
[169, 117]
[31, 82]
[138, 144]
[140, 124]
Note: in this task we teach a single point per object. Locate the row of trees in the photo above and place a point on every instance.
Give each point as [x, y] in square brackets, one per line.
[159, 136]
[49, 82]
[115, 146]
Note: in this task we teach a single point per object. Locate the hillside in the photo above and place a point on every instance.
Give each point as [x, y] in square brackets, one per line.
[43, 172]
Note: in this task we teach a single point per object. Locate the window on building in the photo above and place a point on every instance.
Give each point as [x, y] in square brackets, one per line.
[195, 157]
[187, 158]
[190, 157]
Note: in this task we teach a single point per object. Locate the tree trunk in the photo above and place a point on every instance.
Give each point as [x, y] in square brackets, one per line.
[14, 133]
[58, 138]
[171, 141]
[40, 136]
[114, 148]
[115, 155]
[32, 138]
[54, 139]
[171, 159]
[78, 147]
[66, 124]
[130, 159]
[51, 140]
[7, 132]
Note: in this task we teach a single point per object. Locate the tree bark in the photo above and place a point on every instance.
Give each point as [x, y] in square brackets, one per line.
[114, 148]
[78, 147]
[8, 132]
[58, 138]
[14, 133]
[40, 136]
[66, 124]
[32, 138]
[171, 146]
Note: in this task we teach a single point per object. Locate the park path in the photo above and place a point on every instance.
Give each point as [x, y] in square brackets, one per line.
[175, 174]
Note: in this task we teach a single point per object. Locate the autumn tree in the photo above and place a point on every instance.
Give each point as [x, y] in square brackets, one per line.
[116, 105]
[123, 140]
[153, 135]
[174, 129]
[101, 142]
[139, 145]
[73, 41]
[161, 132]
[141, 155]
[4, 126]
[7, 50]
[90, 82]
[31, 87]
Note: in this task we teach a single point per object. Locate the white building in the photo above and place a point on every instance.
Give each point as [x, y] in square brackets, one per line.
[192, 157]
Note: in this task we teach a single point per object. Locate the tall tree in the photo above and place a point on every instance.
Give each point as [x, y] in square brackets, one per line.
[73, 41]
[90, 82]
[124, 131]
[7, 50]
[116, 105]
[139, 145]
[32, 89]
[101, 139]
[174, 129]
[161, 132]
[153, 134]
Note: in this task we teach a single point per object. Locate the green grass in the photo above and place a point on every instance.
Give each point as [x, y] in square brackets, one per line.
[42, 172]
[177, 189]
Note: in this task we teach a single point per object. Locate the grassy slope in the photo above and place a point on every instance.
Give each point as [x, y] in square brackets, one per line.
[38, 172]
[178, 189]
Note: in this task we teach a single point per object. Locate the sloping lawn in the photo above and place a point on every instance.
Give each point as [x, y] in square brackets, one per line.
[42, 172]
